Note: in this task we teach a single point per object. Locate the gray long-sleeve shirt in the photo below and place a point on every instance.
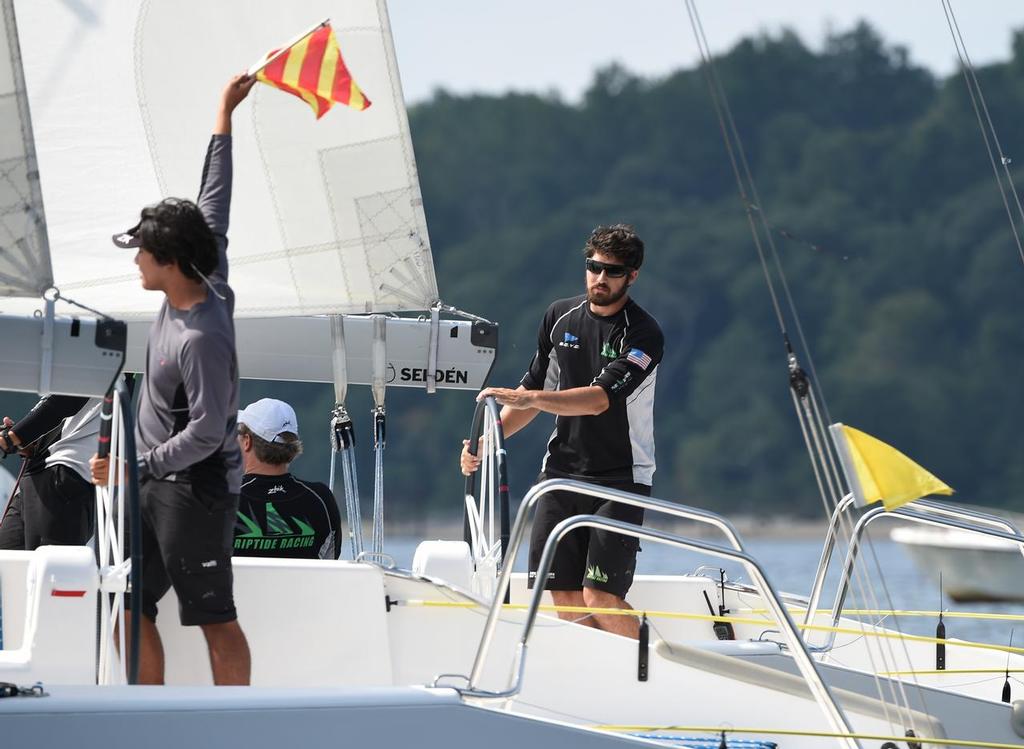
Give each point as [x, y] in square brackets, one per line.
[188, 407]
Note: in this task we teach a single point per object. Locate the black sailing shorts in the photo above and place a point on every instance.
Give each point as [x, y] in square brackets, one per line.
[54, 506]
[587, 557]
[187, 535]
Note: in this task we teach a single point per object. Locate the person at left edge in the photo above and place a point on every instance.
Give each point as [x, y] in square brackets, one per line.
[189, 461]
[54, 503]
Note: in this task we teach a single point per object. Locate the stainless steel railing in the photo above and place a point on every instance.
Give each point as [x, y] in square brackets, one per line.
[827, 548]
[538, 492]
[932, 513]
[819, 690]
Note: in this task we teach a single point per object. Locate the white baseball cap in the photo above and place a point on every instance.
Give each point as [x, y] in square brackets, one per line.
[268, 417]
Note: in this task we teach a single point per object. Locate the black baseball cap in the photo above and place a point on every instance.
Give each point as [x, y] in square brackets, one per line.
[128, 239]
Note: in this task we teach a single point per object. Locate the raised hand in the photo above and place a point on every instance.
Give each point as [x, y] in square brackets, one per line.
[234, 92]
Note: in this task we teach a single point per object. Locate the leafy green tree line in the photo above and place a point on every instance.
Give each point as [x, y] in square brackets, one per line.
[907, 280]
[891, 234]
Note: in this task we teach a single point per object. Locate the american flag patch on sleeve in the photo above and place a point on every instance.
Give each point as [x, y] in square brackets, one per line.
[638, 357]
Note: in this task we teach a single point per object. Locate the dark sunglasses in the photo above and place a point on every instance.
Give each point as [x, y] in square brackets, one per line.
[613, 271]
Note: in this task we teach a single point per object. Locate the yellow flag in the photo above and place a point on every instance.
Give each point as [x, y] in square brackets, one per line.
[877, 471]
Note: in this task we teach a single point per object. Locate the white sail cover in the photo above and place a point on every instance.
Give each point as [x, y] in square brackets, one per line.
[24, 257]
[327, 215]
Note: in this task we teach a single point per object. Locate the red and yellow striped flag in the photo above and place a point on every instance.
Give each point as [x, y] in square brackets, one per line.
[313, 70]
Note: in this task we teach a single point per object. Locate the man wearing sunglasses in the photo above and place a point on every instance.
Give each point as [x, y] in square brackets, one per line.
[595, 370]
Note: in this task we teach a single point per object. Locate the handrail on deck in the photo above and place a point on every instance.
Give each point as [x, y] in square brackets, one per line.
[819, 690]
[539, 491]
[923, 506]
[934, 514]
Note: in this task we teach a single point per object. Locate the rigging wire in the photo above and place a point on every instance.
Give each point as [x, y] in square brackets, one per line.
[379, 441]
[807, 407]
[985, 124]
[343, 446]
[798, 378]
[58, 296]
[754, 207]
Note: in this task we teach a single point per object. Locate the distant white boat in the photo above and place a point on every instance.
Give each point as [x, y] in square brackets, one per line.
[973, 567]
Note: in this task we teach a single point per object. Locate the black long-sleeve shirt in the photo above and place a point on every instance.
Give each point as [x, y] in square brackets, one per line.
[46, 415]
[283, 516]
[620, 353]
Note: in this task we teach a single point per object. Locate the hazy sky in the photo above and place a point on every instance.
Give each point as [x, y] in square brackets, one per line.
[498, 45]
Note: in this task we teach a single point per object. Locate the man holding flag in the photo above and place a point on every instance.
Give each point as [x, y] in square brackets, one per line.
[190, 467]
[189, 459]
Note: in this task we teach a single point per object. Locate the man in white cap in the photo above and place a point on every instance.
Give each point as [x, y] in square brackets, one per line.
[280, 515]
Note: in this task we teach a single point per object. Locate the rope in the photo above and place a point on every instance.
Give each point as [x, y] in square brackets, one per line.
[918, 739]
[944, 671]
[714, 618]
[911, 613]
[807, 407]
[979, 105]
[14, 490]
[355, 519]
[753, 204]
[102, 315]
[377, 541]
[330, 477]
[343, 444]
[716, 94]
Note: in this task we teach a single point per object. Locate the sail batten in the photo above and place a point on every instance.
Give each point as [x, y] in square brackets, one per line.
[323, 212]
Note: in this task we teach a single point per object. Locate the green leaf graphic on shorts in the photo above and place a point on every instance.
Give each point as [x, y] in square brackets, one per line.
[594, 573]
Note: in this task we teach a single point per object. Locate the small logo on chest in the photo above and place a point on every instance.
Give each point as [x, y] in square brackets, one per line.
[608, 351]
[570, 341]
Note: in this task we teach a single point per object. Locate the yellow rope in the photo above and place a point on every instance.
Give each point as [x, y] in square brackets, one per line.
[590, 610]
[732, 619]
[885, 612]
[953, 671]
[912, 638]
[822, 734]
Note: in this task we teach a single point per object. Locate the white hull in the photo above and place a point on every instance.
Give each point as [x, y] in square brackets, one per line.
[173, 718]
[974, 568]
[325, 627]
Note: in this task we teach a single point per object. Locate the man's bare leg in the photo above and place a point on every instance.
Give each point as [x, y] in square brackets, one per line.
[229, 653]
[151, 652]
[627, 626]
[572, 598]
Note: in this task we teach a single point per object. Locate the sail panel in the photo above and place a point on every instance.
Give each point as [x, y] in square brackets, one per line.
[24, 255]
[327, 215]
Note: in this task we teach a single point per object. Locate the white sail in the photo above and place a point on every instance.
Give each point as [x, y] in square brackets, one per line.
[24, 258]
[326, 215]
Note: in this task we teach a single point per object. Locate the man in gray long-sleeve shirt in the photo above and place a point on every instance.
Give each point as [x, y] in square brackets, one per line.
[190, 465]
